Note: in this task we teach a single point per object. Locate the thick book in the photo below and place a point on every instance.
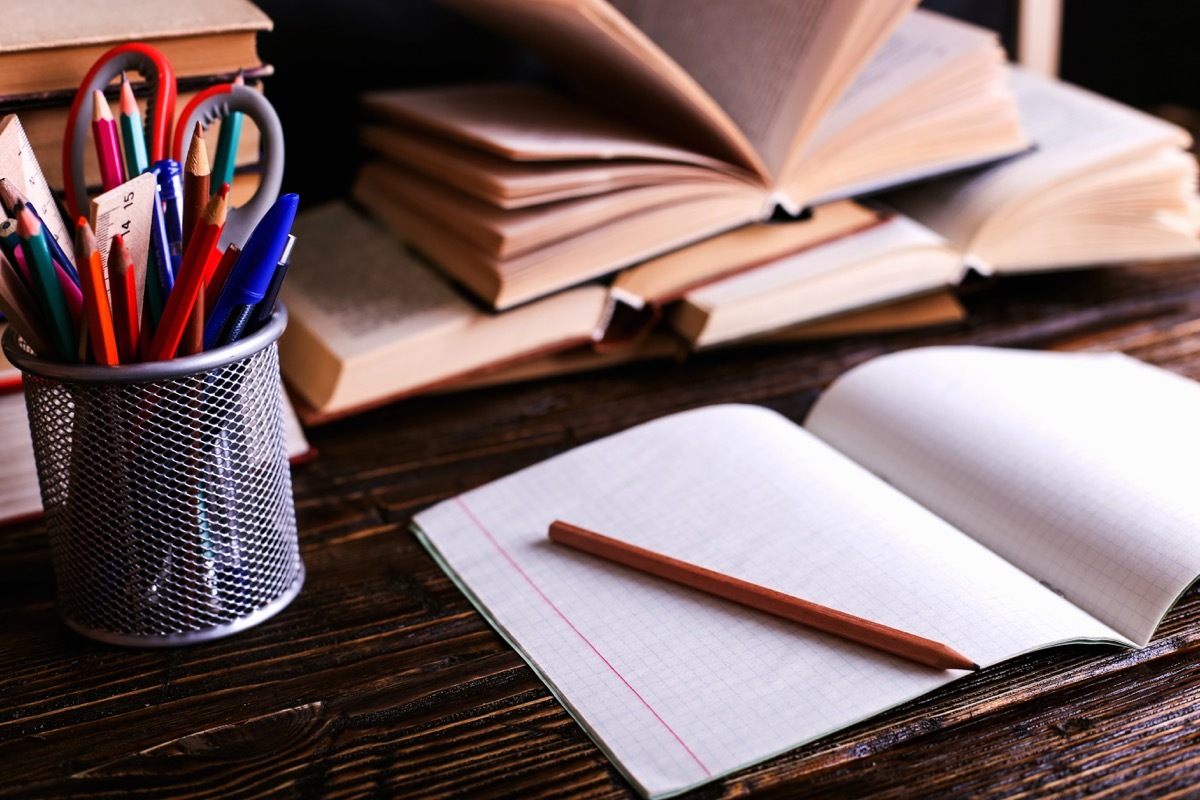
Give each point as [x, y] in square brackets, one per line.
[383, 324]
[684, 123]
[47, 47]
[997, 501]
[1104, 183]
[894, 259]
[370, 322]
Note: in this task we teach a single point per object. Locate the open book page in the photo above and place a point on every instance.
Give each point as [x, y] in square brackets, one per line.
[524, 123]
[621, 69]
[773, 67]
[1078, 468]
[369, 320]
[510, 184]
[897, 258]
[932, 100]
[1074, 132]
[680, 687]
[667, 277]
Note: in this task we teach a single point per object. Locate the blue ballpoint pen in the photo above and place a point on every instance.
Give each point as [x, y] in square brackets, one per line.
[170, 187]
[262, 312]
[160, 246]
[251, 275]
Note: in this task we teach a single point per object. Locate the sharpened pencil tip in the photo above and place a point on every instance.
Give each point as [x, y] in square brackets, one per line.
[975, 667]
[100, 109]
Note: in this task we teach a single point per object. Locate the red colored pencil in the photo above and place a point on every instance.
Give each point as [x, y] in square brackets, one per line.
[190, 278]
[124, 299]
[95, 296]
[108, 146]
[221, 273]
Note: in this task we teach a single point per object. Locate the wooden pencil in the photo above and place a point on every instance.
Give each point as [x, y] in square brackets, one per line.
[190, 279]
[124, 300]
[196, 179]
[47, 289]
[839, 623]
[96, 308]
[18, 305]
[108, 147]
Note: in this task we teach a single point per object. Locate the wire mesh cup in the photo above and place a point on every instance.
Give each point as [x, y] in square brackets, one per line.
[167, 490]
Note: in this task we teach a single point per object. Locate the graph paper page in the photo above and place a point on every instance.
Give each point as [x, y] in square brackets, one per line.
[1079, 468]
[678, 687]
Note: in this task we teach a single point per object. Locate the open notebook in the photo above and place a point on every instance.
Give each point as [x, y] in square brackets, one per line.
[1038, 499]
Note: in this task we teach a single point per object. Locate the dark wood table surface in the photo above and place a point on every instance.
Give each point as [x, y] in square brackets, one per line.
[381, 680]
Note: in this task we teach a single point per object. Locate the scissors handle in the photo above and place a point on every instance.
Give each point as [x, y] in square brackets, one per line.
[220, 101]
[152, 65]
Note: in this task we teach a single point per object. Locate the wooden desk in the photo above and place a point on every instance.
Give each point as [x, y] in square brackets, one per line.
[380, 680]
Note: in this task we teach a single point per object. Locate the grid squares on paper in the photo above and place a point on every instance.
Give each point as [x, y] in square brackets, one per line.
[668, 679]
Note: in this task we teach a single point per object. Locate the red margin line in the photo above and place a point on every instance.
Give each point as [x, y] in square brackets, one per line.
[495, 542]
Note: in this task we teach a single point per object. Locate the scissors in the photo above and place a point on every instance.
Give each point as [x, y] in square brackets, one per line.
[207, 107]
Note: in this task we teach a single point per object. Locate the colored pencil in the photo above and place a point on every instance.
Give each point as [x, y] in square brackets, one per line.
[18, 305]
[95, 297]
[123, 286]
[12, 197]
[133, 134]
[221, 273]
[189, 280]
[46, 287]
[108, 148]
[839, 623]
[224, 161]
[196, 180]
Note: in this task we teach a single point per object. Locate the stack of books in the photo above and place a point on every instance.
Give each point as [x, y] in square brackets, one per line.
[700, 177]
[47, 48]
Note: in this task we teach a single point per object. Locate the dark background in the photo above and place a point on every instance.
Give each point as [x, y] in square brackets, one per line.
[325, 55]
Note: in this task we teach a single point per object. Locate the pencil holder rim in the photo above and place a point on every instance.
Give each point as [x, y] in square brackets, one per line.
[150, 371]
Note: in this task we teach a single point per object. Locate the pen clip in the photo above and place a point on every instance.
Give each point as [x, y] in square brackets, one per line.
[152, 65]
[218, 102]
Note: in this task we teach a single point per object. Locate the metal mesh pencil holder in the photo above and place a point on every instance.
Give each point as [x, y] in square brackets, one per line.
[167, 491]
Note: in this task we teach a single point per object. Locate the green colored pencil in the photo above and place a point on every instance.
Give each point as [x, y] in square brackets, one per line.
[46, 287]
[133, 135]
[227, 145]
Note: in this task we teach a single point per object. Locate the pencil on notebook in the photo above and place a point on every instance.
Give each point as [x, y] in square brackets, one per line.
[847, 626]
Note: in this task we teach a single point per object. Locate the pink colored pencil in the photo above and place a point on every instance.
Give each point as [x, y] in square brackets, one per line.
[108, 146]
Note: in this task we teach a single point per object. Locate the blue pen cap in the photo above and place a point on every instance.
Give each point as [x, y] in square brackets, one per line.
[170, 178]
[251, 275]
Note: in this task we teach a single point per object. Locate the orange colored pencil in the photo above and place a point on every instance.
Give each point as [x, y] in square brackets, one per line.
[124, 299]
[839, 623]
[190, 278]
[96, 310]
[196, 183]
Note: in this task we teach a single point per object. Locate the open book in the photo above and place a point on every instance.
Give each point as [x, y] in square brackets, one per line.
[1104, 183]
[893, 259]
[997, 501]
[384, 324]
[694, 120]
